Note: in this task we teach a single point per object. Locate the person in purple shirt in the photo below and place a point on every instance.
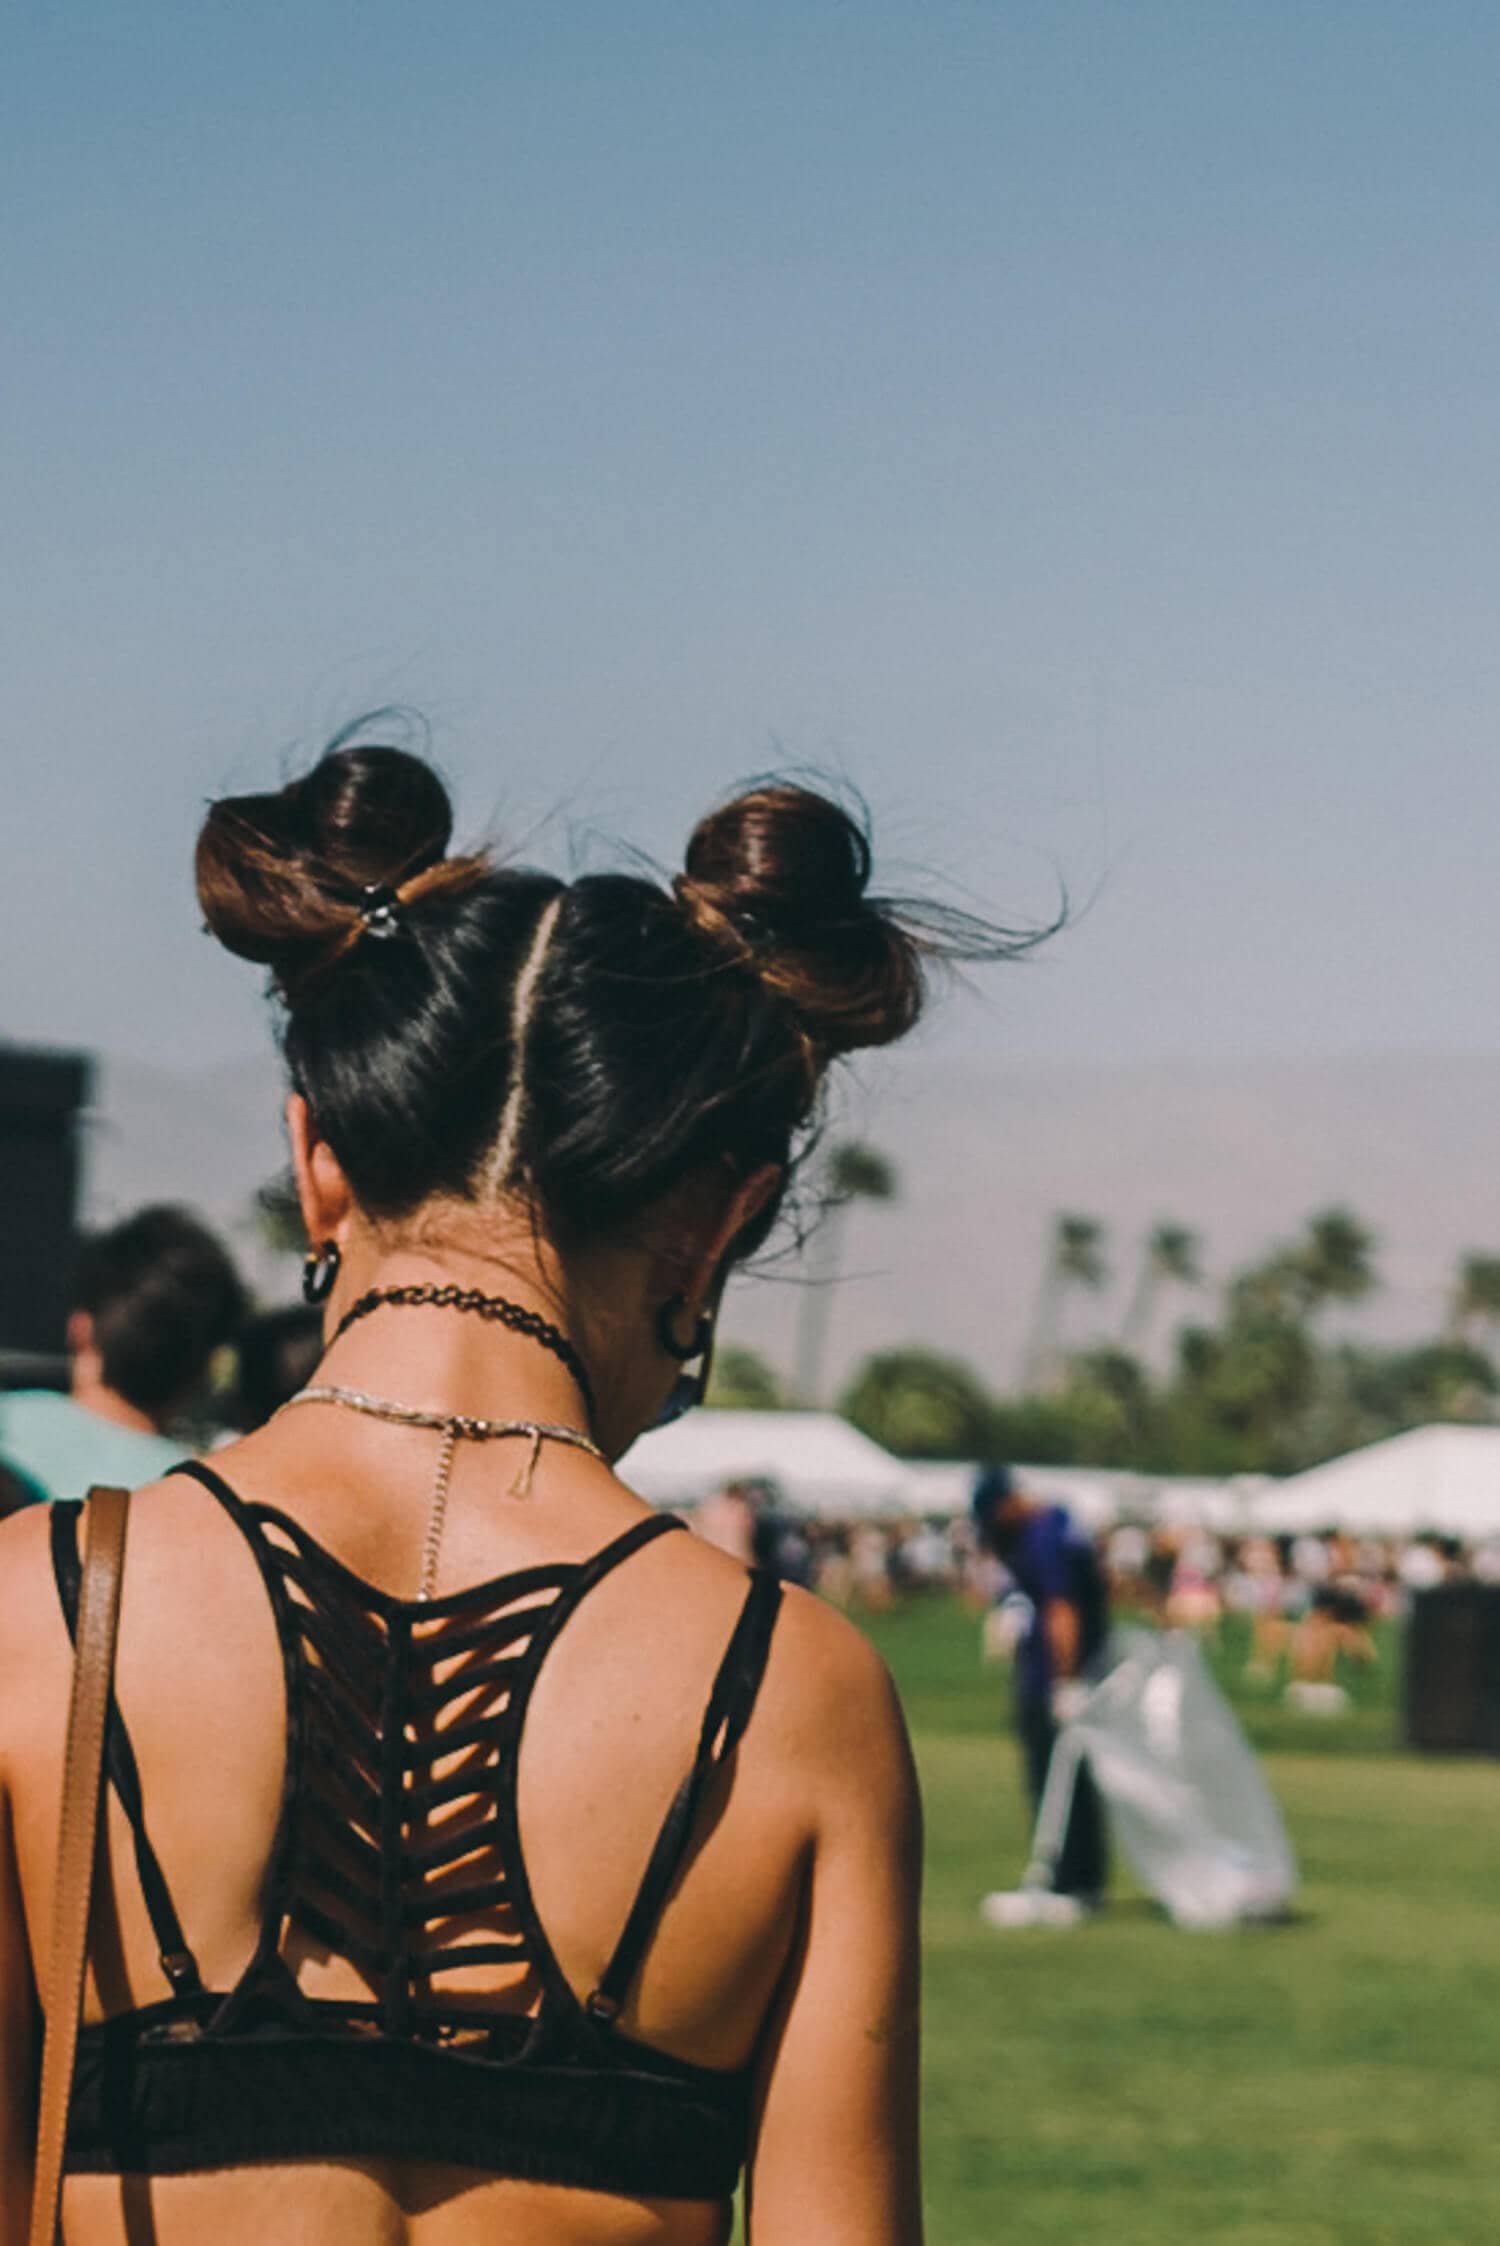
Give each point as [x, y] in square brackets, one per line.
[1057, 1568]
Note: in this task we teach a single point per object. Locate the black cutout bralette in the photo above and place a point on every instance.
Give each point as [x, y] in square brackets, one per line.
[398, 1848]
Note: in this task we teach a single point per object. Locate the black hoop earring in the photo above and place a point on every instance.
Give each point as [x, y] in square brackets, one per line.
[690, 1388]
[320, 1268]
[666, 1331]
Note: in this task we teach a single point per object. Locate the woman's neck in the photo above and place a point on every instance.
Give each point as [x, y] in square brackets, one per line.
[443, 1358]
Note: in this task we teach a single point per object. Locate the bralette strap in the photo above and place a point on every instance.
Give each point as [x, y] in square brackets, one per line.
[730, 1706]
[177, 1960]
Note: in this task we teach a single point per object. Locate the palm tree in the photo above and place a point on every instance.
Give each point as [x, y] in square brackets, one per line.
[1476, 1295]
[854, 1171]
[859, 1172]
[1076, 1259]
[1304, 1395]
[1170, 1258]
[1336, 1259]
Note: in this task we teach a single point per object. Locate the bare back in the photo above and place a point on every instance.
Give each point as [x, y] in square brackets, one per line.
[731, 1975]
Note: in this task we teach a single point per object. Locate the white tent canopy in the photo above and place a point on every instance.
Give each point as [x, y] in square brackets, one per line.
[821, 1464]
[826, 1468]
[1445, 1479]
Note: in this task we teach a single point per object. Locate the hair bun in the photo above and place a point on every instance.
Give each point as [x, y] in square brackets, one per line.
[281, 875]
[777, 879]
[784, 854]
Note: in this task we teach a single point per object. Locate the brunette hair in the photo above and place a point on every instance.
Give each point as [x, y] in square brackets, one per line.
[163, 1295]
[627, 1032]
[278, 1352]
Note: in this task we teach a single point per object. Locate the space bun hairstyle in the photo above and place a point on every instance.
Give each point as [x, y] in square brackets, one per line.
[465, 1027]
[776, 881]
[288, 878]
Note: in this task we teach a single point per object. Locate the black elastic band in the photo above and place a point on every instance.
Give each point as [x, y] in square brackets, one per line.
[730, 1706]
[177, 1960]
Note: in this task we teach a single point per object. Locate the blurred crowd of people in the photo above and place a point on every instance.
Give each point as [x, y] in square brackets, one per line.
[1190, 1577]
[872, 1565]
[1304, 1606]
[166, 1356]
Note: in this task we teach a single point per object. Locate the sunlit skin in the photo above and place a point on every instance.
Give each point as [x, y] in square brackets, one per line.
[790, 1941]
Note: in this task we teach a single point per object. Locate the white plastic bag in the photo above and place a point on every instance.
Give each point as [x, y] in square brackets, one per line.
[1185, 1795]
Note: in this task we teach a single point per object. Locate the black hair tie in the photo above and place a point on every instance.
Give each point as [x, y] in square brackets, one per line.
[380, 910]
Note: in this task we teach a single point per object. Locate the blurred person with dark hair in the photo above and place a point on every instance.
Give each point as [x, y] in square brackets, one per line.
[155, 1296]
[780, 1539]
[1335, 1629]
[727, 1519]
[279, 1351]
[1058, 1569]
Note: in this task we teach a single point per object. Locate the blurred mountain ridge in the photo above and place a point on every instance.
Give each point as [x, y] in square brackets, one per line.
[985, 1157]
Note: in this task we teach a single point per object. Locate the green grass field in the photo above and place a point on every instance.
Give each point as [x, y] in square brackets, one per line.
[1333, 2080]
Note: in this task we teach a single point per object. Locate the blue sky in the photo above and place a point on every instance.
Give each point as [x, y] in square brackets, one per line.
[1076, 423]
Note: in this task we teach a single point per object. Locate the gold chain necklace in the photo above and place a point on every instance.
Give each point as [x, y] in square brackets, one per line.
[454, 1427]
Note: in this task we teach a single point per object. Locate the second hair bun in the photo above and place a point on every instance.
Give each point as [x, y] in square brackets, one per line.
[777, 878]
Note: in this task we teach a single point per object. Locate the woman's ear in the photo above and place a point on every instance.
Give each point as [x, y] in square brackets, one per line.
[323, 1193]
[713, 1249]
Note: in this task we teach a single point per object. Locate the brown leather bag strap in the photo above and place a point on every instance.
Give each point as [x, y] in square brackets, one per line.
[77, 1844]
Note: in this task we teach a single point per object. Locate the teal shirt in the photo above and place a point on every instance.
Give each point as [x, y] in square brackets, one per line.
[63, 1448]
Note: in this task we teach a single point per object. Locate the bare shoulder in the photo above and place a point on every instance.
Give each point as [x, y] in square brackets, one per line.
[827, 1713]
[34, 1651]
[28, 1603]
[33, 1633]
[835, 1711]
[830, 1658]
[821, 1663]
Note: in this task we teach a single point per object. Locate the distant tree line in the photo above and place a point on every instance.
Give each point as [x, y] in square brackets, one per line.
[1256, 1385]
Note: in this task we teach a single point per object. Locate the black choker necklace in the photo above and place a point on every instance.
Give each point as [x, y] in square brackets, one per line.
[497, 1308]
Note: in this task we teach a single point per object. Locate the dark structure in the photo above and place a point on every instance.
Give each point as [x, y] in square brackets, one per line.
[41, 1097]
[1452, 1696]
